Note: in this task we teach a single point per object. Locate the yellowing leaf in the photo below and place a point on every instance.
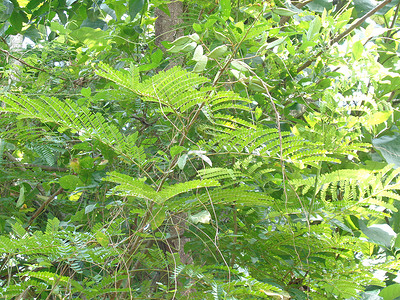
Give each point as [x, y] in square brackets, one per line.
[75, 196]
[23, 3]
[295, 131]
[379, 117]
[358, 49]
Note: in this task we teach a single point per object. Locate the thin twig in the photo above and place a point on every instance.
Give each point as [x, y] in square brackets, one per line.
[28, 65]
[24, 167]
[15, 161]
[43, 206]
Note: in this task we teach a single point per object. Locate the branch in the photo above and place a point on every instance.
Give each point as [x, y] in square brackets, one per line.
[28, 65]
[14, 160]
[43, 206]
[46, 168]
[360, 21]
[284, 19]
[24, 167]
[354, 25]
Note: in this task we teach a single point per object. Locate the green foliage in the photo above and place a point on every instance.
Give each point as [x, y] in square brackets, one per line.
[241, 162]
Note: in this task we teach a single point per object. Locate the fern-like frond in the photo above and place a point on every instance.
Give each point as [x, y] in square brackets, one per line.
[69, 116]
[228, 100]
[351, 189]
[242, 195]
[220, 173]
[269, 144]
[176, 89]
[129, 186]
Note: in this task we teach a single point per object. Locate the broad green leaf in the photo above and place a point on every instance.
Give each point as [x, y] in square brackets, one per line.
[220, 36]
[198, 53]
[89, 208]
[390, 292]
[86, 92]
[225, 6]
[195, 37]
[240, 25]
[271, 45]
[315, 27]
[70, 182]
[89, 36]
[157, 56]
[397, 241]
[95, 24]
[102, 238]
[183, 48]
[343, 19]
[381, 234]
[182, 161]
[258, 113]
[237, 74]
[21, 198]
[16, 19]
[183, 40]
[364, 6]
[176, 48]
[158, 218]
[203, 217]
[357, 50]
[135, 6]
[240, 65]
[156, 59]
[389, 147]
[33, 4]
[320, 5]
[197, 27]
[218, 51]
[201, 64]
[257, 85]
[176, 150]
[6, 9]
[284, 12]
[211, 21]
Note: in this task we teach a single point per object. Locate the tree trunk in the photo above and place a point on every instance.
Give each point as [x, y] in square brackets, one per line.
[167, 27]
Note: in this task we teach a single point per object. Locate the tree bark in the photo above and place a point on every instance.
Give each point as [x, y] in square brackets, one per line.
[167, 27]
